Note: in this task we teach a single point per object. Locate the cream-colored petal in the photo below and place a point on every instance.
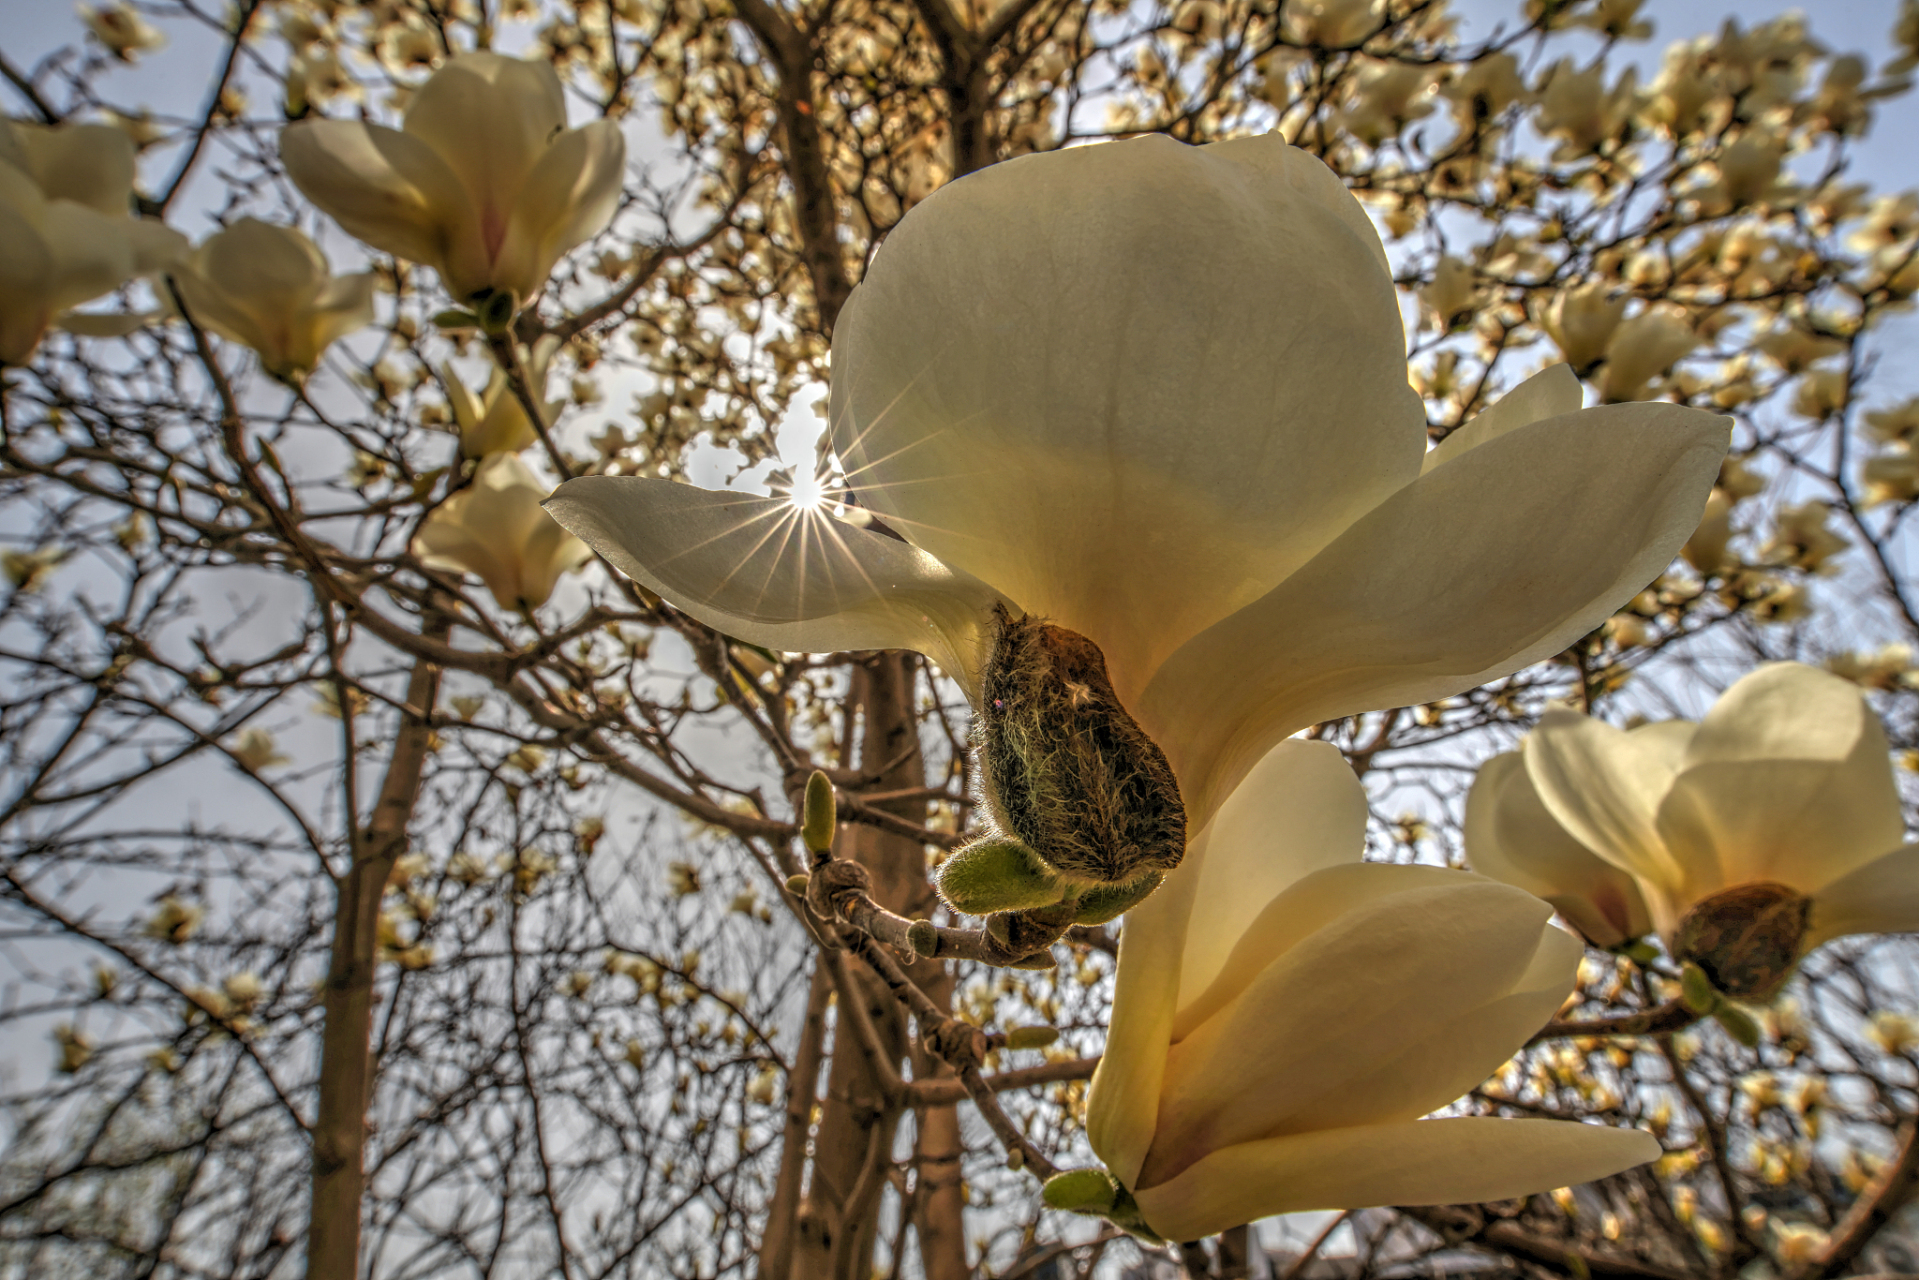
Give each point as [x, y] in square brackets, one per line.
[1549, 393]
[489, 118]
[1455, 1161]
[1604, 786]
[767, 572]
[1788, 779]
[26, 283]
[389, 189]
[1880, 897]
[89, 164]
[1392, 972]
[1512, 838]
[91, 252]
[1301, 810]
[1129, 385]
[155, 245]
[568, 198]
[1498, 559]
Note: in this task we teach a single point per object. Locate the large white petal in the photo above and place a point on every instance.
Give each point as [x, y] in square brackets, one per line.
[1301, 810]
[766, 572]
[1551, 392]
[1389, 974]
[1499, 558]
[1454, 1161]
[389, 189]
[1880, 897]
[1604, 785]
[1787, 780]
[569, 196]
[1129, 385]
[1512, 838]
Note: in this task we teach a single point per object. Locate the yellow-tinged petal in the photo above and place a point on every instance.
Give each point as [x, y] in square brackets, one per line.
[497, 530]
[1366, 1018]
[1077, 376]
[389, 189]
[489, 118]
[570, 194]
[1881, 896]
[1452, 1161]
[767, 572]
[1511, 837]
[1604, 786]
[1549, 393]
[89, 164]
[1499, 558]
[1788, 779]
[1300, 810]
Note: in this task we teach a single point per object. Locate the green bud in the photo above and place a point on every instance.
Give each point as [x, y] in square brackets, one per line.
[1031, 1037]
[497, 309]
[1109, 902]
[1091, 1191]
[820, 816]
[796, 885]
[1015, 1159]
[997, 874]
[924, 938]
[1738, 1023]
[1695, 989]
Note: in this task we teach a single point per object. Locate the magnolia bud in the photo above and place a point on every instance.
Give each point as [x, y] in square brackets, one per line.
[820, 816]
[1031, 1037]
[1109, 902]
[997, 874]
[1065, 769]
[1746, 939]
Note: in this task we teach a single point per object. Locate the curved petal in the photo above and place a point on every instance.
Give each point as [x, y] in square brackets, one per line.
[89, 164]
[1512, 838]
[156, 246]
[91, 252]
[567, 198]
[1129, 385]
[26, 282]
[1300, 1046]
[490, 118]
[1604, 786]
[1880, 897]
[1453, 1161]
[1500, 558]
[1287, 842]
[1301, 810]
[766, 572]
[1788, 779]
[389, 189]
[1550, 393]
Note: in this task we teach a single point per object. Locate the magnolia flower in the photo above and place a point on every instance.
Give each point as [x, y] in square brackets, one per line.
[497, 531]
[67, 233]
[485, 183]
[1641, 350]
[121, 29]
[1286, 1013]
[1157, 395]
[1778, 811]
[268, 287]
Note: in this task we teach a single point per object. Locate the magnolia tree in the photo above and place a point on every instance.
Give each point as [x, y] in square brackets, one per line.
[702, 638]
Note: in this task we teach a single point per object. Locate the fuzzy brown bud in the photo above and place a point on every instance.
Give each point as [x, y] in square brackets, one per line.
[1747, 939]
[1065, 769]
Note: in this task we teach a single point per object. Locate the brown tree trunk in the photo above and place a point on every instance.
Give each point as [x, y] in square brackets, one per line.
[346, 1067]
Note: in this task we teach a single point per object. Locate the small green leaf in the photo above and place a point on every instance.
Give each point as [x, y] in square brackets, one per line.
[1696, 991]
[456, 318]
[1092, 1191]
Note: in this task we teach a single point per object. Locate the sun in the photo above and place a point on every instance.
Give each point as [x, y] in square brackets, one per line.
[808, 494]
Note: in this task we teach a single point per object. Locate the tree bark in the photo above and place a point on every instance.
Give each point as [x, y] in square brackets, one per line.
[346, 1067]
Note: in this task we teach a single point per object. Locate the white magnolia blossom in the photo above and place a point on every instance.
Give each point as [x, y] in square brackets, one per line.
[268, 287]
[1285, 1013]
[1787, 781]
[1157, 394]
[67, 230]
[496, 530]
[484, 183]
